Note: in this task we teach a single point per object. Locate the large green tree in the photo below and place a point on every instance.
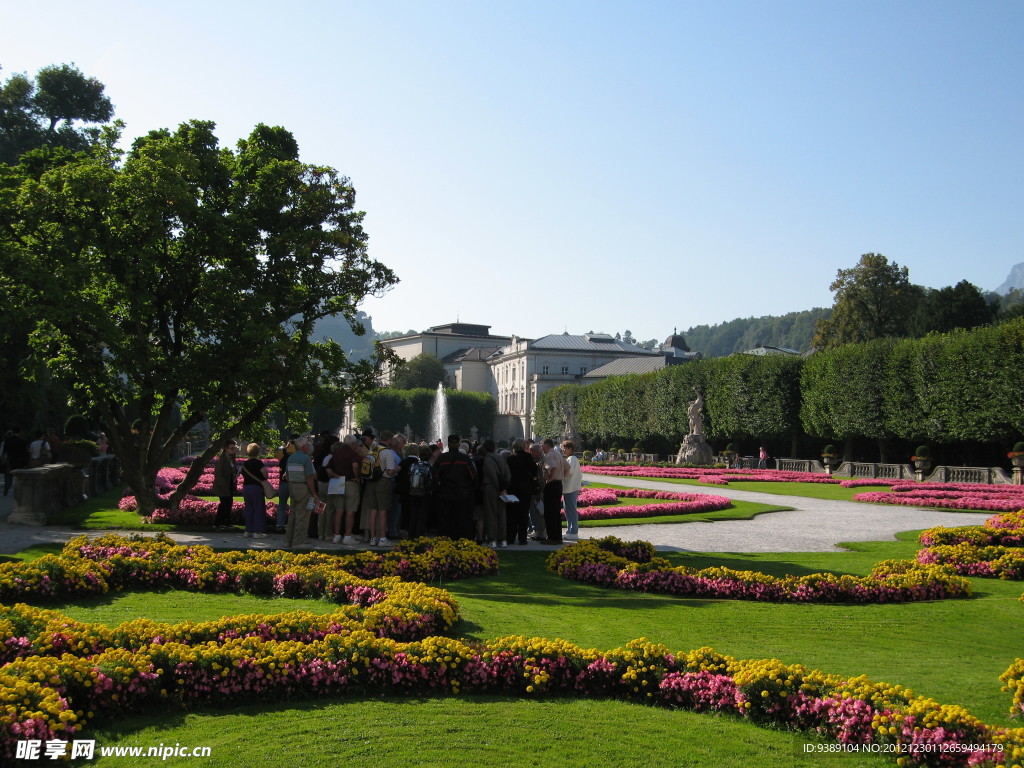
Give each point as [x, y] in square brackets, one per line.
[181, 283]
[873, 300]
[421, 372]
[60, 108]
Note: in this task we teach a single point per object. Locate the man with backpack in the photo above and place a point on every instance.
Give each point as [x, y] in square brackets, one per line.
[378, 468]
[417, 492]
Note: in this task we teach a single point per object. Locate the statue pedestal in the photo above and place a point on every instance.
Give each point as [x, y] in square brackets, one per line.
[694, 450]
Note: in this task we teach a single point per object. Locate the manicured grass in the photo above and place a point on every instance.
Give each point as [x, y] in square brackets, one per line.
[101, 513]
[950, 650]
[481, 731]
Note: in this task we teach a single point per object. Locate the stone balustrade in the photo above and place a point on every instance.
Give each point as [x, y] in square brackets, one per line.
[42, 492]
[799, 465]
[986, 475]
[865, 469]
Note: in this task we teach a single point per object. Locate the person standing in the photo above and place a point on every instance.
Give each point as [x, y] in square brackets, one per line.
[454, 481]
[378, 493]
[225, 478]
[554, 473]
[344, 467]
[494, 483]
[320, 526]
[537, 497]
[522, 481]
[39, 451]
[253, 476]
[417, 494]
[303, 491]
[282, 454]
[399, 485]
[571, 485]
[762, 458]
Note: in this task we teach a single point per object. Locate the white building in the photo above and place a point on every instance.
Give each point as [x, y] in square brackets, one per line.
[516, 370]
[524, 369]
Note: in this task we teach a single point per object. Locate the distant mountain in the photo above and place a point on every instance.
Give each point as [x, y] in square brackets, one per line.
[1014, 280]
[337, 329]
[792, 331]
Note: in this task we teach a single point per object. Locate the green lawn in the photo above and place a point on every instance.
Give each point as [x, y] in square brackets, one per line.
[953, 651]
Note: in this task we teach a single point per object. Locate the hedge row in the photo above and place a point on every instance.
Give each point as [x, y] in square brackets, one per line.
[961, 386]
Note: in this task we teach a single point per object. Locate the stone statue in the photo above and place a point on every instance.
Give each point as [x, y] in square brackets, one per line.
[694, 413]
[569, 419]
[694, 449]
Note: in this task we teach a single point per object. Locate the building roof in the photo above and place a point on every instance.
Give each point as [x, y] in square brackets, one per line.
[478, 332]
[461, 329]
[625, 366]
[469, 354]
[591, 342]
[676, 341]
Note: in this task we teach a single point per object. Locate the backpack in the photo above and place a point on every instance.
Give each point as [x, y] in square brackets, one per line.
[419, 478]
[371, 468]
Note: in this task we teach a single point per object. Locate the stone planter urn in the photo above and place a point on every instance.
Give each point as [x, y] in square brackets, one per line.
[922, 465]
[1017, 461]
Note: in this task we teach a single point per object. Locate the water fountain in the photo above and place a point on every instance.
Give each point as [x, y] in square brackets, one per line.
[439, 416]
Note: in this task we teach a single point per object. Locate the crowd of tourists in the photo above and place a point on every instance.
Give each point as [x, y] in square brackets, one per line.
[373, 489]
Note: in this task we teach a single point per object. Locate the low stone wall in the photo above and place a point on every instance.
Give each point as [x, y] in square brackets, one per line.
[42, 492]
[799, 465]
[881, 471]
[987, 475]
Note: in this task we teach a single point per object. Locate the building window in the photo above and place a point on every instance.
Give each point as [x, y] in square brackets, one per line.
[565, 369]
[583, 369]
[544, 369]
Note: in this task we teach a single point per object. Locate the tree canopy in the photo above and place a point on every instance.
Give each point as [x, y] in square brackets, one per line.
[47, 112]
[181, 283]
[421, 372]
[873, 300]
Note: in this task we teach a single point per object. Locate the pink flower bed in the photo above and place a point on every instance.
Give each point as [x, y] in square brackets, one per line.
[192, 510]
[593, 503]
[988, 498]
[713, 476]
[606, 562]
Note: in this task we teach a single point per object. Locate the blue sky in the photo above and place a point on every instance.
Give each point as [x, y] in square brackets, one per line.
[571, 166]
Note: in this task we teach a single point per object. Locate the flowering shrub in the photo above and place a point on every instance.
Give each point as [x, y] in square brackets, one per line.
[57, 674]
[989, 498]
[993, 550]
[46, 696]
[111, 563]
[889, 582]
[1013, 680]
[713, 475]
